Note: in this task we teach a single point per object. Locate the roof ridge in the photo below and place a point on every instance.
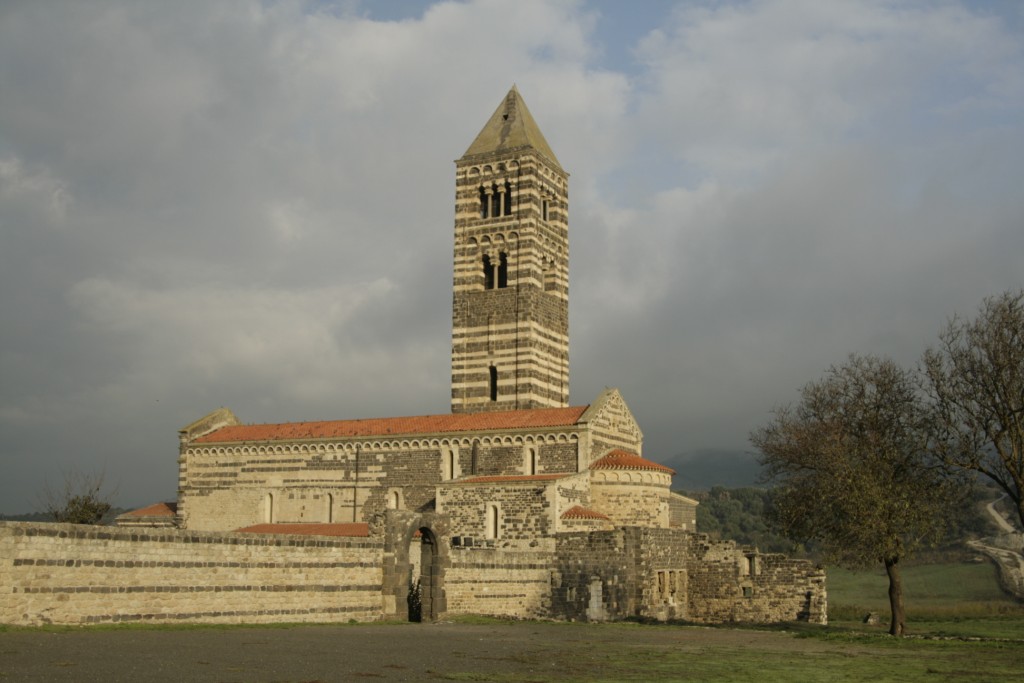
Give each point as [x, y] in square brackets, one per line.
[620, 459]
[580, 512]
[397, 426]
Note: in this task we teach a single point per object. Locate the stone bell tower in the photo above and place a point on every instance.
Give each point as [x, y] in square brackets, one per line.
[510, 312]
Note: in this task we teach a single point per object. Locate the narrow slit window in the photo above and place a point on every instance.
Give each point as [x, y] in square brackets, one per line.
[493, 522]
[484, 199]
[544, 209]
[496, 203]
[449, 465]
[508, 198]
[488, 273]
[494, 383]
[502, 270]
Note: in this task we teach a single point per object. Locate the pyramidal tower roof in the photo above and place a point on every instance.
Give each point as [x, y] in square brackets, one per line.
[511, 126]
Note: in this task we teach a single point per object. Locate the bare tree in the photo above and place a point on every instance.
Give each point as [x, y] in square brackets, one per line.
[853, 471]
[975, 379]
[81, 500]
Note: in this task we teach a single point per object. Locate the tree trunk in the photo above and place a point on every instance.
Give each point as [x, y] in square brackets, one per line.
[898, 623]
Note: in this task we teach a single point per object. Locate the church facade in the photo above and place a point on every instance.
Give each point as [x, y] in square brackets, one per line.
[515, 503]
[513, 472]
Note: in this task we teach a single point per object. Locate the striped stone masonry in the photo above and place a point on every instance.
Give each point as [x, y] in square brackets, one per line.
[72, 574]
[510, 308]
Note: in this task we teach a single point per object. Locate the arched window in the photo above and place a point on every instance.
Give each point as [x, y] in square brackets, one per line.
[494, 382]
[268, 509]
[484, 202]
[395, 500]
[447, 464]
[495, 274]
[329, 517]
[493, 521]
[530, 461]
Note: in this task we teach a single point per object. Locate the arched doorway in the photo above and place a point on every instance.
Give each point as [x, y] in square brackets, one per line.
[425, 593]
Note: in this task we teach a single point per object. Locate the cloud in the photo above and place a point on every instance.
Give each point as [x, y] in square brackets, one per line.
[749, 84]
[808, 179]
[250, 204]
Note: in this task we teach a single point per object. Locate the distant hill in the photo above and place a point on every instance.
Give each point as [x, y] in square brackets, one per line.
[28, 517]
[702, 469]
[108, 518]
[740, 514]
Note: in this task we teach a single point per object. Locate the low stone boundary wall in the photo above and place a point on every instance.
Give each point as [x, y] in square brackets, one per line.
[675, 574]
[71, 574]
[773, 588]
[499, 582]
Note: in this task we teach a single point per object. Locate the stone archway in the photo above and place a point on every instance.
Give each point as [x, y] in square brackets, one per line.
[414, 565]
[431, 579]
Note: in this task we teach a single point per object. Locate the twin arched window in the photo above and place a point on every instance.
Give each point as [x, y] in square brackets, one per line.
[496, 200]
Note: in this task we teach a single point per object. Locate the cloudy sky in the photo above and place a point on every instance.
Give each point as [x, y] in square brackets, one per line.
[249, 204]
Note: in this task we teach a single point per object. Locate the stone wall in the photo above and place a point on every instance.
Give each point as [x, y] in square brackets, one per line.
[499, 582]
[503, 514]
[611, 426]
[71, 574]
[592, 577]
[518, 326]
[672, 574]
[231, 486]
[632, 498]
[730, 583]
[682, 512]
[558, 457]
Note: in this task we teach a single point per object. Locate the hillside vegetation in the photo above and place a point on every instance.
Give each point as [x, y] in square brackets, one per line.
[744, 515]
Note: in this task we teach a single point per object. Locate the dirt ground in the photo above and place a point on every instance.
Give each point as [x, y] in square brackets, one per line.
[382, 652]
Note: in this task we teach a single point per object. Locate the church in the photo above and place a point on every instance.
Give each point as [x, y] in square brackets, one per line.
[513, 471]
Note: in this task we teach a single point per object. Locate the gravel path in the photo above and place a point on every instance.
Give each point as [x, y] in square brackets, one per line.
[380, 652]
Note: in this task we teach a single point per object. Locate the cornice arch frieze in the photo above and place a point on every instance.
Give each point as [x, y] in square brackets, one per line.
[349, 448]
[637, 477]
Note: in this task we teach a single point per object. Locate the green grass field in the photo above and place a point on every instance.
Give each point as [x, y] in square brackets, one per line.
[961, 599]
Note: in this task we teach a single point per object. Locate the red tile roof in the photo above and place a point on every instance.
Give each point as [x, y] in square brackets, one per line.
[494, 479]
[580, 512]
[624, 460]
[155, 510]
[358, 529]
[391, 426]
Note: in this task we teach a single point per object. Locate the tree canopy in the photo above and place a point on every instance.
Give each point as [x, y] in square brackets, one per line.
[975, 379]
[853, 471]
[81, 500]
